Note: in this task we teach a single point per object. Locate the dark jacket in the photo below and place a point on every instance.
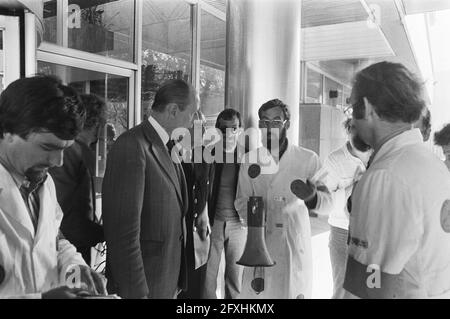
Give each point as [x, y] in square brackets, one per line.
[76, 195]
[144, 208]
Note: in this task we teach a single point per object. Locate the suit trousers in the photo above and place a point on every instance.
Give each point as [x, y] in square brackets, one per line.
[338, 257]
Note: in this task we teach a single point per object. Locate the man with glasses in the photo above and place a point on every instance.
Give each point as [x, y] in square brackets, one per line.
[228, 231]
[399, 234]
[288, 230]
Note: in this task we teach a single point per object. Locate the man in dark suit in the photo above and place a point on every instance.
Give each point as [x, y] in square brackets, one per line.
[74, 182]
[196, 171]
[145, 201]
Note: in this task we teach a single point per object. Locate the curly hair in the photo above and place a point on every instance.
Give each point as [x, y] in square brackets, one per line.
[394, 91]
[275, 103]
[95, 110]
[442, 138]
[41, 103]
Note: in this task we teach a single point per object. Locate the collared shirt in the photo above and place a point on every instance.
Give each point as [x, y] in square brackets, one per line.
[29, 192]
[400, 217]
[159, 129]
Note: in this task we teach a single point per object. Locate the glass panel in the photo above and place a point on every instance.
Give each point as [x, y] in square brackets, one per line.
[104, 27]
[113, 88]
[314, 86]
[212, 66]
[166, 46]
[333, 93]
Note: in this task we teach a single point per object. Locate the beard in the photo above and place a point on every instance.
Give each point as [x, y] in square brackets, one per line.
[35, 175]
[359, 144]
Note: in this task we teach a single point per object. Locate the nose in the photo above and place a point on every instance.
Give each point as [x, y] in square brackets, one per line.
[56, 159]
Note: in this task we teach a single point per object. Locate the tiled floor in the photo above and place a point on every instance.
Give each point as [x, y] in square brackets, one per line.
[322, 279]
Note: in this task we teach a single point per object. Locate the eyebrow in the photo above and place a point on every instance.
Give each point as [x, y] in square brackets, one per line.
[275, 118]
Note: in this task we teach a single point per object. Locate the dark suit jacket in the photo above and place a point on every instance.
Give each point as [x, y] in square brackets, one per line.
[75, 192]
[144, 217]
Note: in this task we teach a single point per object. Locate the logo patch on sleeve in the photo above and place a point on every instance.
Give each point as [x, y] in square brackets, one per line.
[445, 216]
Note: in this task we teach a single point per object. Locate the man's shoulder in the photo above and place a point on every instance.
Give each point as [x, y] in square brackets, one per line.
[304, 153]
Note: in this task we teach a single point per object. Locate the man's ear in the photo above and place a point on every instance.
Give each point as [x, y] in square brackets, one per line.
[369, 110]
[172, 110]
[8, 138]
[288, 124]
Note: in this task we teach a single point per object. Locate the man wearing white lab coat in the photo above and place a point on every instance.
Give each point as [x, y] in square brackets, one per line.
[39, 118]
[399, 234]
[288, 230]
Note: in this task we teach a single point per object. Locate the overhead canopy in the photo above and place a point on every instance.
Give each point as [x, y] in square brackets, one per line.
[34, 6]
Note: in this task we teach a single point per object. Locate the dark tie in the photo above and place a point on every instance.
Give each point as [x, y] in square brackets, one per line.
[31, 198]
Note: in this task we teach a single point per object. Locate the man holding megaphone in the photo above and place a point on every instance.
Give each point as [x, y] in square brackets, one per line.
[287, 225]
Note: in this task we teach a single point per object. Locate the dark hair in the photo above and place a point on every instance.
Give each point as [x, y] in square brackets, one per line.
[426, 120]
[228, 115]
[442, 138]
[41, 103]
[392, 89]
[348, 126]
[275, 103]
[95, 109]
[174, 91]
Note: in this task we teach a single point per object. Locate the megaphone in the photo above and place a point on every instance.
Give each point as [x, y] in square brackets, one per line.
[255, 251]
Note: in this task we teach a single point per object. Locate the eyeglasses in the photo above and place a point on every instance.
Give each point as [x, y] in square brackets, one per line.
[271, 123]
[232, 130]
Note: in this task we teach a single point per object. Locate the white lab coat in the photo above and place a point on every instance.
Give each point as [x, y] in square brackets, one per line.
[400, 218]
[32, 262]
[288, 229]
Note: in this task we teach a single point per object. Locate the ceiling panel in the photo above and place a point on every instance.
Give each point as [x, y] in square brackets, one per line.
[323, 12]
[351, 40]
[421, 6]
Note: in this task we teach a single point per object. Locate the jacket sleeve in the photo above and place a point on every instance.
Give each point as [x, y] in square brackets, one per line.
[243, 192]
[74, 193]
[122, 202]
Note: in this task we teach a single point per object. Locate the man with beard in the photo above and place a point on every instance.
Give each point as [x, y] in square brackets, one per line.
[288, 230]
[345, 167]
[39, 119]
[399, 234]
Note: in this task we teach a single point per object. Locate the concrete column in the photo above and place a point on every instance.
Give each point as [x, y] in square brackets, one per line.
[263, 57]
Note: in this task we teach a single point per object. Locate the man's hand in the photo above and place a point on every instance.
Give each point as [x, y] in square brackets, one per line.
[202, 225]
[62, 292]
[95, 282]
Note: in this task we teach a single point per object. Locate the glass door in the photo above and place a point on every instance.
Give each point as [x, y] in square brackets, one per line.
[9, 50]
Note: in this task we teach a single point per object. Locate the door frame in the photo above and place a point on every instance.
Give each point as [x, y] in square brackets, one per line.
[10, 25]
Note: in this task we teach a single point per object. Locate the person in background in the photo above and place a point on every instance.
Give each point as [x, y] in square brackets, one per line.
[288, 229]
[399, 234]
[442, 139]
[145, 201]
[228, 231]
[424, 124]
[39, 120]
[197, 220]
[74, 182]
[344, 166]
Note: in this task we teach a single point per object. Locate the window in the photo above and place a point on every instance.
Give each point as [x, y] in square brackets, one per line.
[212, 66]
[333, 93]
[112, 88]
[104, 27]
[314, 86]
[166, 46]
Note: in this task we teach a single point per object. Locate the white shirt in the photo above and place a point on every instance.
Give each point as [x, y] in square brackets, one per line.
[342, 168]
[400, 218]
[159, 129]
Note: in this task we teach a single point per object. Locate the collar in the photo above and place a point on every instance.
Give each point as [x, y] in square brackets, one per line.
[159, 129]
[18, 179]
[397, 141]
